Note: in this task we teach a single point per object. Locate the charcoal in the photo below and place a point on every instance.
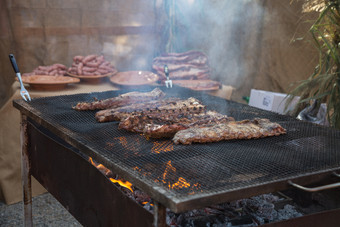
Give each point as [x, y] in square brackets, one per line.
[242, 220]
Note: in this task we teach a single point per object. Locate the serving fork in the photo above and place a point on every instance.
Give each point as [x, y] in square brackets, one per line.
[168, 82]
[23, 92]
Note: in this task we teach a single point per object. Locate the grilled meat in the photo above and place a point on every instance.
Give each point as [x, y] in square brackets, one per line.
[121, 100]
[164, 107]
[187, 65]
[190, 57]
[246, 129]
[115, 114]
[191, 73]
[160, 128]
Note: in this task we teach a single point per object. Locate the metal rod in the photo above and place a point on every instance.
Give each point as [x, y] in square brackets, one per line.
[159, 215]
[336, 174]
[316, 189]
[26, 173]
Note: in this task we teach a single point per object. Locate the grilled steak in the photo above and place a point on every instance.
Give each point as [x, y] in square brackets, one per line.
[163, 107]
[121, 100]
[245, 129]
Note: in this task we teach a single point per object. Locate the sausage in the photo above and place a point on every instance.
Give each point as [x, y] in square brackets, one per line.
[51, 68]
[60, 66]
[72, 71]
[103, 71]
[43, 68]
[89, 58]
[105, 63]
[100, 58]
[88, 69]
[39, 72]
[104, 67]
[53, 72]
[78, 58]
[92, 64]
[61, 72]
[80, 68]
[87, 73]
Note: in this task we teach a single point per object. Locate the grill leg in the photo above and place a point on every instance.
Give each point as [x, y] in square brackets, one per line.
[26, 173]
[159, 215]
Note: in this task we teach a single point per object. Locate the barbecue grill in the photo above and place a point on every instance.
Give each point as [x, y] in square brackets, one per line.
[178, 177]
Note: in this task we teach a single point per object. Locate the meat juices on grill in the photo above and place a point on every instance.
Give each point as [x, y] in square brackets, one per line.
[121, 100]
[166, 107]
[246, 129]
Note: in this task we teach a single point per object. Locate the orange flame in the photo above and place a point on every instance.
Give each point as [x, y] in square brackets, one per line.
[106, 171]
[125, 184]
[146, 203]
[100, 167]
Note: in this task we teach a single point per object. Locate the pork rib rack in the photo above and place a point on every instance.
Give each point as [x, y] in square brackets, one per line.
[121, 100]
[246, 129]
[165, 126]
[157, 108]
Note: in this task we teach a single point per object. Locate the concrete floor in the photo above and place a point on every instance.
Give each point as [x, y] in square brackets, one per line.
[46, 210]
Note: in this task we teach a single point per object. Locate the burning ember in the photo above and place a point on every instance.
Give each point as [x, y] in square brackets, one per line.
[181, 183]
[162, 146]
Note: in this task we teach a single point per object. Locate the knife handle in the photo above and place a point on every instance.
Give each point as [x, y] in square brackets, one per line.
[14, 63]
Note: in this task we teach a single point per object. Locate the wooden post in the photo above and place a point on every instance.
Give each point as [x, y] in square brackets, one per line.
[159, 215]
[26, 173]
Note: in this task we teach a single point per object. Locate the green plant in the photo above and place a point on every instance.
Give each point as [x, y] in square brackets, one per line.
[324, 84]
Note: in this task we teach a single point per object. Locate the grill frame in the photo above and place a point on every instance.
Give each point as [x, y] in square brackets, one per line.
[79, 186]
[159, 192]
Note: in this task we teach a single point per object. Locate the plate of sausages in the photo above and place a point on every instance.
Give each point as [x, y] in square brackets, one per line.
[49, 77]
[91, 68]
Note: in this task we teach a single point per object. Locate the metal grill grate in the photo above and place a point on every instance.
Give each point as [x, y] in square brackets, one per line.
[182, 172]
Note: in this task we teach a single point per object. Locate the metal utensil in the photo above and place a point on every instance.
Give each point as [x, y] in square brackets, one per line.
[23, 92]
[168, 82]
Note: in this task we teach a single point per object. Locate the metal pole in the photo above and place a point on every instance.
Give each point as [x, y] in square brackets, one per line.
[26, 173]
[159, 215]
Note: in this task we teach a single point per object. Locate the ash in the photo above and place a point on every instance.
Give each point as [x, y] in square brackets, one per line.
[254, 211]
